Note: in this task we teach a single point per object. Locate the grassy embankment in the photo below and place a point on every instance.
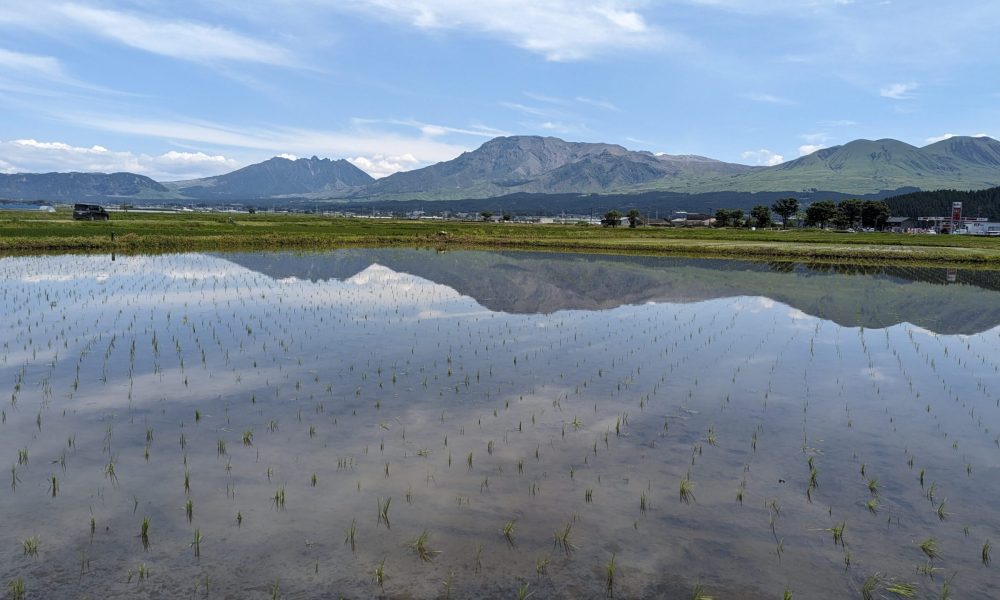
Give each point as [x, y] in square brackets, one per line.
[31, 232]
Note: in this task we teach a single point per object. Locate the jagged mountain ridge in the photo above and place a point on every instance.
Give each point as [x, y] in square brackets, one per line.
[277, 177]
[533, 164]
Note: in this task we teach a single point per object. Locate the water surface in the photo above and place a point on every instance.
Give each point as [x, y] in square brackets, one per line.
[477, 389]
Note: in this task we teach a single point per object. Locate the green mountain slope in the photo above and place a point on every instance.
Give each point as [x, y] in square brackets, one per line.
[866, 167]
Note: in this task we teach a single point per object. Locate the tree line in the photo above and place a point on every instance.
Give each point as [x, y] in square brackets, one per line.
[980, 203]
[823, 213]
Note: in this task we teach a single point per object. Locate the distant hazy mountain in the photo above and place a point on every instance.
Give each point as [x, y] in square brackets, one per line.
[71, 187]
[525, 165]
[507, 165]
[864, 167]
[278, 177]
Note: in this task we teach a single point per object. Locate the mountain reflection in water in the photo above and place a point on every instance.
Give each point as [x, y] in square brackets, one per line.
[946, 301]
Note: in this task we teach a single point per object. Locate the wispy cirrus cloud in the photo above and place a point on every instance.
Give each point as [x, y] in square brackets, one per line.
[187, 40]
[182, 39]
[560, 30]
[766, 98]
[606, 105]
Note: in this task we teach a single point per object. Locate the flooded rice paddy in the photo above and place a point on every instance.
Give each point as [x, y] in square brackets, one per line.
[413, 424]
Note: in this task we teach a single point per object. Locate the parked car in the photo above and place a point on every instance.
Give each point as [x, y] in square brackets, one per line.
[90, 212]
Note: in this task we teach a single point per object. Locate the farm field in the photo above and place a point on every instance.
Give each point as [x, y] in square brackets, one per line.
[399, 423]
[178, 232]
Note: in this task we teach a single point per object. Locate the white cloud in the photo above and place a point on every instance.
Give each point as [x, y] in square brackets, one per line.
[766, 98]
[898, 91]
[181, 39]
[31, 63]
[528, 110]
[809, 148]
[560, 30]
[28, 155]
[39, 75]
[287, 156]
[358, 141]
[598, 103]
[380, 165]
[763, 157]
[433, 130]
[940, 138]
[948, 136]
[839, 123]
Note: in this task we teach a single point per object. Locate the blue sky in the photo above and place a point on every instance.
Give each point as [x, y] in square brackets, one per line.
[175, 89]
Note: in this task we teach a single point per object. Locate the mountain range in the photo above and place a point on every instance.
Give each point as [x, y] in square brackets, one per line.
[512, 165]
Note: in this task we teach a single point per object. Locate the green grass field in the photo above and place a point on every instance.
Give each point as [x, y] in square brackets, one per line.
[30, 232]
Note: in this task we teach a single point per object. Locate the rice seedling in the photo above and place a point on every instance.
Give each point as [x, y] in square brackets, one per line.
[144, 532]
[930, 548]
[352, 534]
[196, 543]
[420, 546]
[17, 589]
[987, 549]
[479, 557]
[378, 574]
[383, 512]
[508, 531]
[941, 513]
[643, 500]
[686, 491]
[30, 546]
[902, 589]
[109, 472]
[189, 510]
[542, 566]
[278, 500]
[945, 593]
[610, 572]
[699, 593]
[248, 437]
[927, 569]
[787, 595]
[871, 586]
[872, 506]
[838, 533]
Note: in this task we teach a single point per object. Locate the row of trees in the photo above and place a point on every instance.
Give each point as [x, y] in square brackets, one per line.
[842, 215]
